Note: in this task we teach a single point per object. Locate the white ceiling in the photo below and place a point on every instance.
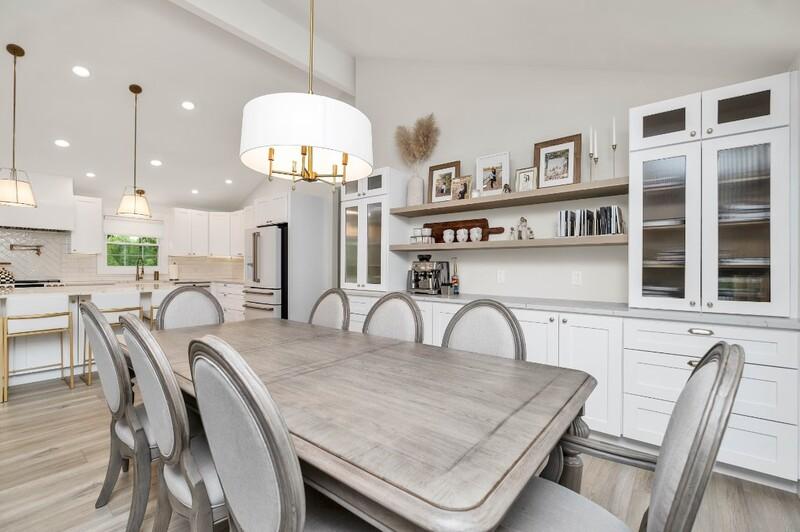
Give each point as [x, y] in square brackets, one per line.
[685, 35]
[175, 56]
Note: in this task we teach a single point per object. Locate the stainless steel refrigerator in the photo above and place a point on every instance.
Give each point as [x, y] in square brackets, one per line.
[265, 272]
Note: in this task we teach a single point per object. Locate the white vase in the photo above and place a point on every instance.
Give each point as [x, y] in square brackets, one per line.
[415, 191]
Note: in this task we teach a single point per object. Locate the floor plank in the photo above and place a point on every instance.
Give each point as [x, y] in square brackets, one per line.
[54, 450]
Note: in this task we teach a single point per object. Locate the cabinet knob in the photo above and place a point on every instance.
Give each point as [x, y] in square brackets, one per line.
[693, 363]
[692, 133]
[709, 304]
[710, 130]
[552, 319]
[692, 303]
[563, 320]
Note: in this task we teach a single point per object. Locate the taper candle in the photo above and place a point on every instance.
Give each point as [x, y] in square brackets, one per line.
[613, 130]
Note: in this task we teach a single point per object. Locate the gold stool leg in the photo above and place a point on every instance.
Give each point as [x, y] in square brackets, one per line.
[4, 364]
[71, 353]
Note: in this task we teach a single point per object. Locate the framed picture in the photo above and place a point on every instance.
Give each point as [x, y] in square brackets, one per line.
[440, 181]
[462, 187]
[526, 179]
[491, 173]
[558, 161]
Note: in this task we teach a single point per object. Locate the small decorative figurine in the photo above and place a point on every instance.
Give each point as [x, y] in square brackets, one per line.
[506, 189]
[512, 232]
[523, 228]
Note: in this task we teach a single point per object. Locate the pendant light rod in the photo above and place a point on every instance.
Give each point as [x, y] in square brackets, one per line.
[136, 90]
[311, 47]
[16, 51]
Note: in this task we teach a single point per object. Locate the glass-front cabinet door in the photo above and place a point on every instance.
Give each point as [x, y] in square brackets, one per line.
[750, 106]
[746, 223]
[364, 243]
[372, 185]
[350, 249]
[666, 122]
[664, 245]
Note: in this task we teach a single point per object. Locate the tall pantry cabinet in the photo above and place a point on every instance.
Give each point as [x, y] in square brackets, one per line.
[714, 200]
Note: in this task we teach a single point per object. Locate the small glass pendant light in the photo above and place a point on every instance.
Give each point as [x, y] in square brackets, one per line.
[134, 204]
[15, 187]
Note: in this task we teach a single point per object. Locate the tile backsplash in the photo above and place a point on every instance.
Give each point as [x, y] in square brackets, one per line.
[56, 263]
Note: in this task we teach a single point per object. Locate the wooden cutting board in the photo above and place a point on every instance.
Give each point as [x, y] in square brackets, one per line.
[438, 228]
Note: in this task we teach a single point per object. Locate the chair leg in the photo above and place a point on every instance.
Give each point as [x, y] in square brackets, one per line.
[141, 483]
[163, 508]
[115, 462]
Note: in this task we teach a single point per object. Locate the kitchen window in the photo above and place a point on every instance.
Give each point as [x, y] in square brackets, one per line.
[126, 250]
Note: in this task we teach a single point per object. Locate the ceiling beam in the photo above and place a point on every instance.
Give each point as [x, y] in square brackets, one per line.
[265, 27]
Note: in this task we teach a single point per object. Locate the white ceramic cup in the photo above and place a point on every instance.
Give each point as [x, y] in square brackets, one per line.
[462, 235]
[449, 235]
[475, 234]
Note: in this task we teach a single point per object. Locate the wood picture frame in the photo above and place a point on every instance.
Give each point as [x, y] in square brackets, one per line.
[440, 181]
[567, 152]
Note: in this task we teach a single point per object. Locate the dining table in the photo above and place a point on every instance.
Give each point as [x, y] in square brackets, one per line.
[406, 435]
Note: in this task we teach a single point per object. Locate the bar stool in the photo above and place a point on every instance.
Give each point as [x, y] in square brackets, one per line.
[156, 298]
[34, 315]
[111, 305]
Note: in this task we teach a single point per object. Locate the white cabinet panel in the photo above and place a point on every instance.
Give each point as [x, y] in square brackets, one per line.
[764, 392]
[666, 122]
[749, 106]
[181, 232]
[357, 322]
[87, 234]
[594, 344]
[219, 234]
[237, 234]
[761, 346]
[442, 314]
[271, 210]
[541, 335]
[764, 446]
[199, 233]
[361, 304]
[426, 309]
[249, 216]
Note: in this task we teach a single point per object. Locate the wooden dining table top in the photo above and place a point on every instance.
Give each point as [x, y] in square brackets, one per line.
[439, 439]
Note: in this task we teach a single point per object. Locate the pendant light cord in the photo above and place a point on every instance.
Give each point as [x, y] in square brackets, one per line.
[14, 119]
[135, 131]
[311, 47]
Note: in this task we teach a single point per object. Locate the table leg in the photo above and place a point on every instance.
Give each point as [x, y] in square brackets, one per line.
[572, 470]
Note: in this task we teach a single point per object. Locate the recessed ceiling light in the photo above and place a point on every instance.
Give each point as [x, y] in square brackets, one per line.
[195, 191]
[187, 105]
[155, 162]
[90, 174]
[61, 143]
[81, 71]
[228, 181]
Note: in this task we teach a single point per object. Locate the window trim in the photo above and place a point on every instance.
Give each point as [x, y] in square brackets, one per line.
[104, 269]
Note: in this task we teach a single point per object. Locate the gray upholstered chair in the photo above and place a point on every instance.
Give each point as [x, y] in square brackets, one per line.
[188, 482]
[189, 306]
[488, 327]
[131, 435]
[682, 469]
[252, 449]
[332, 309]
[395, 315]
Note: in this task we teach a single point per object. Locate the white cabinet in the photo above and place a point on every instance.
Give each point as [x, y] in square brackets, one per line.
[249, 217]
[365, 242]
[231, 298]
[594, 344]
[749, 106]
[374, 185]
[219, 234]
[667, 122]
[442, 314]
[87, 233]
[541, 335]
[189, 233]
[237, 234]
[272, 210]
[426, 309]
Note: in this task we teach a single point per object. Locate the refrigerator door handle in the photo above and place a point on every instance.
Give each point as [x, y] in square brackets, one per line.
[256, 236]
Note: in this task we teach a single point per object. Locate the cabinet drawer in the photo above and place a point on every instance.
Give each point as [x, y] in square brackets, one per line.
[761, 346]
[361, 304]
[357, 322]
[228, 288]
[262, 296]
[764, 392]
[756, 444]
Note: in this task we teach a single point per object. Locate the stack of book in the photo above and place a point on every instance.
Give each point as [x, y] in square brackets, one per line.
[588, 222]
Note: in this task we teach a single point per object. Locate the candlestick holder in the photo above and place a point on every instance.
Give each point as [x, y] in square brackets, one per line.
[591, 159]
[614, 160]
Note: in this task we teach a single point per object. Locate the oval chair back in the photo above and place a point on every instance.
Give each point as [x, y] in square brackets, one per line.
[249, 441]
[111, 366]
[189, 306]
[160, 391]
[488, 327]
[692, 439]
[395, 315]
[332, 309]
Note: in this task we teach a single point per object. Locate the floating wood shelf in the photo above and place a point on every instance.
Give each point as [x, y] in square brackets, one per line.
[595, 189]
[600, 240]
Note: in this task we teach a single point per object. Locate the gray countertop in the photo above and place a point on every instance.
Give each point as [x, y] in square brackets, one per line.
[81, 288]
[605, 308]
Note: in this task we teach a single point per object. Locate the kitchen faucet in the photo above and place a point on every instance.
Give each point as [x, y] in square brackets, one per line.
[139, 269]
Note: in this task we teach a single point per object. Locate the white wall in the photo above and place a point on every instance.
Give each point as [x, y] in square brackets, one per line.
[484, 109]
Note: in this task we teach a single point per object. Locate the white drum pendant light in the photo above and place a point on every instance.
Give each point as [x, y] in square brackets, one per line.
[134, 203]
[306, 137]
[15, 187]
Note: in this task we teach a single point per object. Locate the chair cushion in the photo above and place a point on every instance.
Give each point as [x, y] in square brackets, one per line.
[179, 488]
[547, 506]
[324, 515]
[125, 434]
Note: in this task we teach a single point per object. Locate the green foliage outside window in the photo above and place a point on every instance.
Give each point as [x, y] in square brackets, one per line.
[124, 250]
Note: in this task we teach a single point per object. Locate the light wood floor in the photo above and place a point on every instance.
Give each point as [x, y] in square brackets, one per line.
[54, 451]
